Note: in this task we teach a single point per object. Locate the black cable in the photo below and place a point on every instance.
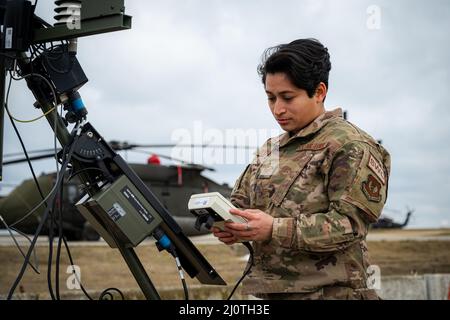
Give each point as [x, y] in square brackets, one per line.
[44, 200]
[17, 244]
[49, 266]
[163, 242]
[60, 236]
[32, 53]
[50, 249]
[38, 187]
[180, 271]
[57, 191]
[106, 293]
[39, 228]
[52, 223]
[64, 240]
[55, 296]
[83, 170]
[247, 270]
[72, 264]
[21, 142]
[29, 240]
[51, 237]
[60, 51]
[41, 224]
[50, 255]
[46, 215]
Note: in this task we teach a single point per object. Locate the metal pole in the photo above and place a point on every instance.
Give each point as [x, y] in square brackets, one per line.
[62, 134]
[139, 273]
[2, 110]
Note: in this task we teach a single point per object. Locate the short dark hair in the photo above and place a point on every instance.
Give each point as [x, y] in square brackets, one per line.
[305, 61]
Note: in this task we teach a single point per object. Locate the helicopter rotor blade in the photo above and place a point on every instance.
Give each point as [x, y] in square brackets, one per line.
[15, 154]
[40, 157]
[123, 146]
[192, 165]
[217, 146]
[117, 145]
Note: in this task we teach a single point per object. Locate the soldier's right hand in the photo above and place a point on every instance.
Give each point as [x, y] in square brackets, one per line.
[224, 237]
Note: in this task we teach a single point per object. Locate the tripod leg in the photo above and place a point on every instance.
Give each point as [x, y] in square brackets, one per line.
[139, 273]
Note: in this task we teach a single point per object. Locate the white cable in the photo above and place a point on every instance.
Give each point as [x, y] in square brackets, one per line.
[180, 269]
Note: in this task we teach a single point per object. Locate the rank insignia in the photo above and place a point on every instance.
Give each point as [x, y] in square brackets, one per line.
[372, 188]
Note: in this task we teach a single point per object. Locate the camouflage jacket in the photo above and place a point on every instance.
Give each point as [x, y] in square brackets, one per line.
[323, 186]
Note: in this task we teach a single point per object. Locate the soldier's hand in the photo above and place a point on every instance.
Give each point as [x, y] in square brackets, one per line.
[224, 237]
[258, 227]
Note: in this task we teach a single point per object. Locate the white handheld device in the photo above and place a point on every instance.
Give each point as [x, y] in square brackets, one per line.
[213, 205]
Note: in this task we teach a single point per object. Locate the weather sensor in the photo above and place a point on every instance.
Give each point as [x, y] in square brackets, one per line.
[212, 209]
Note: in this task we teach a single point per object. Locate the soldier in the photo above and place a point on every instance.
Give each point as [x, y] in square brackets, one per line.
[310, 194]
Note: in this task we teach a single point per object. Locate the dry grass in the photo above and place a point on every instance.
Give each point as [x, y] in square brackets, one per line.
[102, 267]
[411, 257]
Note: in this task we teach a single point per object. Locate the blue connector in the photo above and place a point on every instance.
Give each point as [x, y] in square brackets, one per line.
[163, 240]
[76, 105]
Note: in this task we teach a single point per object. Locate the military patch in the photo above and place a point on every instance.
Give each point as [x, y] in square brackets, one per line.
[313, 146]
[265, 176]
[371, 188]
[377, 168]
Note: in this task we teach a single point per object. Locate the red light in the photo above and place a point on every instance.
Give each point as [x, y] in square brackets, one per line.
[154, 159]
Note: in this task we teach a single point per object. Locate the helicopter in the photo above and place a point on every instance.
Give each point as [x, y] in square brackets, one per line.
[385, 222]
[172, 185]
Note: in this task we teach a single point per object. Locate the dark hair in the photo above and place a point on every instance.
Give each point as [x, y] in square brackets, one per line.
[305, 61]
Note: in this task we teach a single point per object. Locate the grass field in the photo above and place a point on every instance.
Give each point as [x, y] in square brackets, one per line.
[103, 267]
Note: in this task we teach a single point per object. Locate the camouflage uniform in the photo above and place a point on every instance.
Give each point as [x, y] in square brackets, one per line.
[323, 186]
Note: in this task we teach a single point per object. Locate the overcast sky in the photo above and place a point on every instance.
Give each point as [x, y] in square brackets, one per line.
[186, 63]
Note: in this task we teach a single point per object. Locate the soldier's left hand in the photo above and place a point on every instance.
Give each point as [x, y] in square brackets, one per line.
[258, 227]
